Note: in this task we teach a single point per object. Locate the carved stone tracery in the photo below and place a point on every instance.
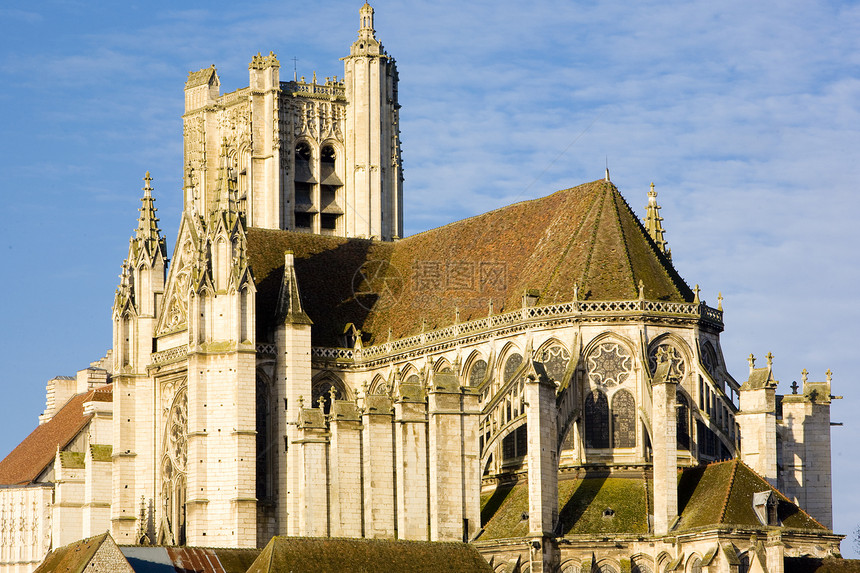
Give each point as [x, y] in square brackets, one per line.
[555, 359]
[663, 352]
[610, 364]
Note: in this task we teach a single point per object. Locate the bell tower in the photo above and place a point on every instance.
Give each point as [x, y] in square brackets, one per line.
[374, 177]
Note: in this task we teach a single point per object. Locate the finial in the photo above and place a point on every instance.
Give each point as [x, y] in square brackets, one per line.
[696, 298]
[490, 311]
[456, 315]
[654, 222]
[804, 376]
[147, 188]
[751, 360]
[575, 291]
[315, 77]
[321, 402]
[829, 375]
[641, 289]
[364, 389]
[333, 393]
[606, 178]
[769, 357]
[794, 387]
[719, 301]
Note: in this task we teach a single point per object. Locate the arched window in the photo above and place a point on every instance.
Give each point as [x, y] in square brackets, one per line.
[623, 420]
[442, 366]
[173, 466]
[512, 364]
[596, 420]
[478, 372]
[683, 410]
[322, 389]
[696, 565]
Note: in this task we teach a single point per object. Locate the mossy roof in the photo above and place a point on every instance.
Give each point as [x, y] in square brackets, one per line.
[200, 77]
[722, 493]
[587, 505]
[759, 378]
[816, 565]
[585, 235]
[101, 452]
[329, 555]
[36, 452]
[603, 503]
[72, 558]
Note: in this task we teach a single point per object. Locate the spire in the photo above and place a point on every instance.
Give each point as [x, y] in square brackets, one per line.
[366, 44]
[365, 30]
[147, 236]
[653, 223]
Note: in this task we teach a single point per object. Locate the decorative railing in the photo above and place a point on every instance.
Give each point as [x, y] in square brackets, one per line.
[169, 355]
[331, 89]
[266, 349]
[574, 309]
[333, 353]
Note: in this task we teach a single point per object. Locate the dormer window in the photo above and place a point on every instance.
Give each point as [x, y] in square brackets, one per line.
[765, 504]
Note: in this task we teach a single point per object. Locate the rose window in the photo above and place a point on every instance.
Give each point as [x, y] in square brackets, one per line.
[609, 365]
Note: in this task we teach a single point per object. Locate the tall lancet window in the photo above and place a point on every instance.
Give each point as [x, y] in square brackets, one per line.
[596, 420]
[173, 463]
[623, 420]
[683, 409]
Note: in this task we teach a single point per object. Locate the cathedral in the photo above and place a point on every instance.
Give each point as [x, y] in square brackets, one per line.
[537, 381]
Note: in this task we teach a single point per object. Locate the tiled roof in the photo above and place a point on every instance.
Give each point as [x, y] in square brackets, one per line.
[586, 235]
[159, 559]
[722, 494]
[30, 458]
[759, 378]
[307, 555]
[816, 565]
[199, 77]
[596, 503]
[72, 558]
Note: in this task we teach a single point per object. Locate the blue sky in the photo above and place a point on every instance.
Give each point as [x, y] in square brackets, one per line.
[745, 115]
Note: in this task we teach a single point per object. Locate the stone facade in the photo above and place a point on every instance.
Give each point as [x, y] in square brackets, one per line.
[298, 369]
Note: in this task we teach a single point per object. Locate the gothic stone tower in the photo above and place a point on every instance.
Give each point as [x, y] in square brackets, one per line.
[320, 156]
[195, 458]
